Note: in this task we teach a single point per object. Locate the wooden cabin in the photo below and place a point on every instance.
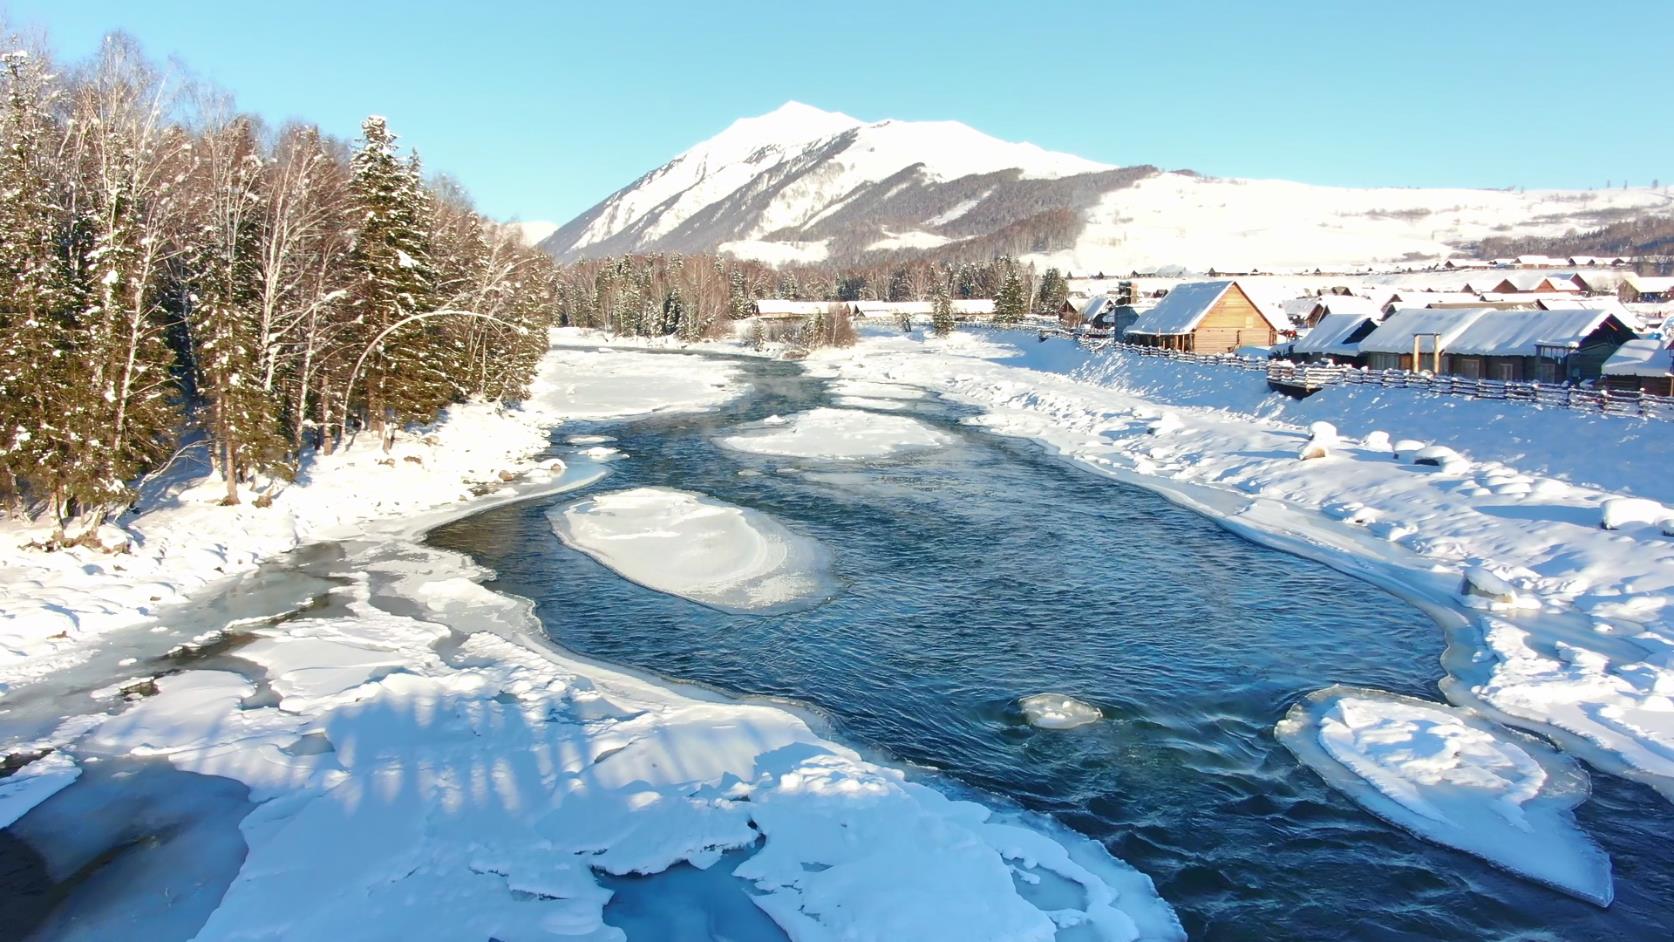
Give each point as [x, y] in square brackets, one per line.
[1640, 289]
[1206, 317]
[1641, 365]
[1558, 346]
[1335, 339]
[1425, 332]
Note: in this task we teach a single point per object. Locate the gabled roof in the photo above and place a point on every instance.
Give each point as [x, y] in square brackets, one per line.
[1519, 333]
[772, 307]
[1396, 334]
[1599, 280]
[1349, 304]
[1185, 306]
[1643, 357]
[1647, 283]
[1330, 335]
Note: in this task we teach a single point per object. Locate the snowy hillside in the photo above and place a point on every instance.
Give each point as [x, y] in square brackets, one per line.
[802, 184]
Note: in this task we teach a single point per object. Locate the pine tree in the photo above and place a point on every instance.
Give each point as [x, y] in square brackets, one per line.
[123, 244]
[37, 372]
[393, 282]
[222, 317]
[1054, 290]
[1011, 304]
[941, 312]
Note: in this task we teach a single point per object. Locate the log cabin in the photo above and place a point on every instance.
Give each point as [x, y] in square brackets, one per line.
[1206, 317]
[1335, 339]
[1643, 365]
[1428, 331]
[1640, 289]
[1559, 346]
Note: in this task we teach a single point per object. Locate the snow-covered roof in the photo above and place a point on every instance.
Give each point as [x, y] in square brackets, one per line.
[1184, 307]
[1640, 358]
[1330, 335]
[1608, 304]
[1348, 304]
[973, 306]
[1409, 298]
[1600, 280]
[886, 308]
[1396, 334]
[1644, 283]
[1095, 306]
[1518, 333]
[780, 307]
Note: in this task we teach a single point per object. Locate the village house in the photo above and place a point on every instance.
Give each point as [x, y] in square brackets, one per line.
[1105, 317]
[1414, 338]
[1562, 346]
[1641, 365]
[1206, 317]
[1327, 305]
[783, 309]
[1595, 283]
[1335, 338]
[1644, 289]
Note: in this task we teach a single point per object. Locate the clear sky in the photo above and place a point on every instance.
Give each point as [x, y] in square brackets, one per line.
[543, 108]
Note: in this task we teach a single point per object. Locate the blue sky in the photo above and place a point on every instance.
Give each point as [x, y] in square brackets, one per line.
[542, 109]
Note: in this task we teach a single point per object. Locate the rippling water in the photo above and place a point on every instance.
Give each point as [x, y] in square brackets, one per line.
[986, 572]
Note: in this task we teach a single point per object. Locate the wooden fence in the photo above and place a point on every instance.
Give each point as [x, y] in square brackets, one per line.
[1598, 401]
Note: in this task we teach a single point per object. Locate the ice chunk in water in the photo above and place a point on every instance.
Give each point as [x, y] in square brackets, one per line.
[1058, 711]
[1451, 776]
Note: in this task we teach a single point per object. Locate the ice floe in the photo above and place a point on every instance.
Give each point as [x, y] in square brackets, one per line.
[1450, 776]
[839, 434]
[1058, 711]
[727, 557]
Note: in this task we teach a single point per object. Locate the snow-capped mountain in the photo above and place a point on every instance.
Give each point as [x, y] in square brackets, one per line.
[802, 184]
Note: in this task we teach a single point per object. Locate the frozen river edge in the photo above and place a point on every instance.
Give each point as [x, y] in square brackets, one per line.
[421, 707]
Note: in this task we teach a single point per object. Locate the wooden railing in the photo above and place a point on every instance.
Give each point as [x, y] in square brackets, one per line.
[1599, 401]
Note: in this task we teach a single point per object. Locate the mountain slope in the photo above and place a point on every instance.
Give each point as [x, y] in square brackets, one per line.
[802, 184]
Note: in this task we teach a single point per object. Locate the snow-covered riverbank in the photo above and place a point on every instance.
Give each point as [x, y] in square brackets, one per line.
[421, 758]
[1582, 646]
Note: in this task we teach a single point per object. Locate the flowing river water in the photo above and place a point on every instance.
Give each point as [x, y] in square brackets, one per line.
[986, 571]
[969, 576]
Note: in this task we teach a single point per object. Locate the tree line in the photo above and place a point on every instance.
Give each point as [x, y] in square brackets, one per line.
[699, 296]
[171, 271]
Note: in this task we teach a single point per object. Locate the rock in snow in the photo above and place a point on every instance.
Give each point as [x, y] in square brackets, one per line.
[1450, 776]
[1619, 512]
[685, 544]
[1058, 711]
[1322, 437]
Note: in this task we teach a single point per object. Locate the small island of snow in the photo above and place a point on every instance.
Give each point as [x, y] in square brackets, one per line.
[1450, 776]
[685, 544]
[1058, 711]
[838, 434]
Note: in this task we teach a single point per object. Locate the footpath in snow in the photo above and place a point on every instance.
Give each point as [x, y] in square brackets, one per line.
[416, 756]
[1490, 517]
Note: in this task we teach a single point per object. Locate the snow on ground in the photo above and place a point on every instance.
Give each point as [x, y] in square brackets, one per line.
[1585, 653]
[1455, 778]
[731, 558]
[1058, 711]
[51, 603]
[34, 783]
[421, 758]
[838, 434]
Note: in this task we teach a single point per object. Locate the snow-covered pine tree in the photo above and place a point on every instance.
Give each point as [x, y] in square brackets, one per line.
[223, 313]
[941, 311]
[36, 372]
[128, 163]
[1011, 303]
[1053, 291]
[393, 282]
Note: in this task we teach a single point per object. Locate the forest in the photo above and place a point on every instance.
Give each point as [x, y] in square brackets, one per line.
[177, 276]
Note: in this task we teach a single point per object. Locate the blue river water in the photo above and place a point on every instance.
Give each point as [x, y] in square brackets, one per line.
[987, 571]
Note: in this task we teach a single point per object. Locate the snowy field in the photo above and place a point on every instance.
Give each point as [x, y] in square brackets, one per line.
[418, 757]
[1563, 626]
